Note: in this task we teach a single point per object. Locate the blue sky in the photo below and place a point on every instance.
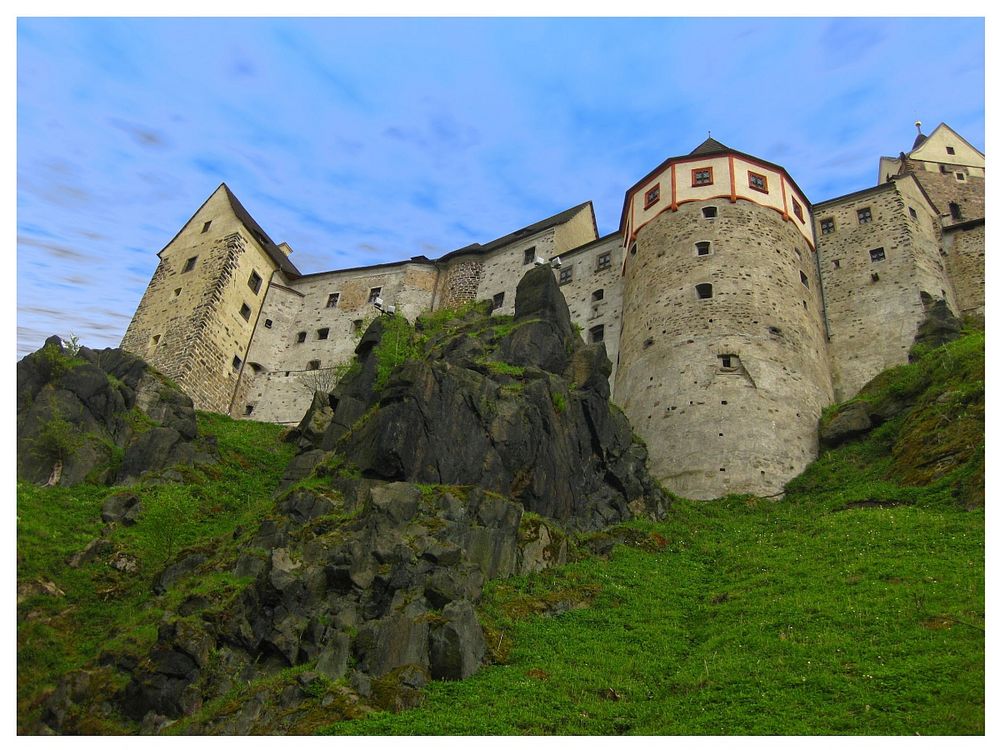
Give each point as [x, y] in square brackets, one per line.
[359, 141]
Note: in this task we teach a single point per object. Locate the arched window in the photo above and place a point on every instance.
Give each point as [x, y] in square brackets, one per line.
[704, 291]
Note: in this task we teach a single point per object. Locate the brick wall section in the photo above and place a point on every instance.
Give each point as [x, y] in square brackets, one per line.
[965, 259]
[460, 282]
[713, 430]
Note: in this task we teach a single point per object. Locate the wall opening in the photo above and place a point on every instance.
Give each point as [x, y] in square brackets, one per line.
[323, 333]
[703, 248]
[596, 334]
[704, 291]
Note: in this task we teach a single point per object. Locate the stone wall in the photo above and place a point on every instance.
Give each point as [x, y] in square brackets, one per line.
[459, 283]
[964, 248]
[726, 390]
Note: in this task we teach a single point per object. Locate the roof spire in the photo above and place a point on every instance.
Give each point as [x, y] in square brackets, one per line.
[920, 136]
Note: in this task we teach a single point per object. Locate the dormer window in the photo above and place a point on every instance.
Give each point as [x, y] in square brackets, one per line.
[757, 182]
[652, 195]
[701, 176]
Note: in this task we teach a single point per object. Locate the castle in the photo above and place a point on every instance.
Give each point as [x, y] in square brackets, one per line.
[733, 310]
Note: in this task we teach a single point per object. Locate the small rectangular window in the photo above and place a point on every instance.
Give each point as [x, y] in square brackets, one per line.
[596, 334]
[757, 181]
[498, 301]
[864, 215]
[836, 263]
[565, 274]
[797, 209]
[254, 281]
[704, 291]
[701, 176]
[826, 226]
[206, 226]
[652, 196]
[913, 213]
[189, 264]
[248, 410]
[703, 248]
[877, 254]
[245, 311]
[950, 150]
[300, 337]
[333, 300]
[237, 362]
[960, 176]
[603, 261]
[268, 323]
[323, 333]
[313, 364]
[709, 212]
[529, 255]
[729, 361]
[374, 293]
[597, 296]
[804, 279]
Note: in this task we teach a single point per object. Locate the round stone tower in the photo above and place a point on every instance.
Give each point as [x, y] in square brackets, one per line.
[723, 364]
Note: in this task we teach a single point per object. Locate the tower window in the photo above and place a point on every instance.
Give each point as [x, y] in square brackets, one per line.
[333, 300]
[300, 337]
[245, 311]
[950, 150]
[323, 333]
[913, 213]
[652, 196]
[702, 176]
[729, 361]
[804, 279]
[826, 226]
[268, 323]
[373, 294]
[313, 364]
[498, 301]
[797, 209]
[597, 296]
[864, 215]
[254, 281]
[877, 254]
[757, 181]
[206, 226]
[603, 261]
[955, 210]
[709, 212]
[237, 362]
[529, 255]
[566, 275]
[703, 248]
[189, 264]
[704, 291]
[596, 334]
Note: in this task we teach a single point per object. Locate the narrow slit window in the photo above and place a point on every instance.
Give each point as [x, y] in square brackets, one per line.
[804, 279]
[704, 291]
[913, 213]
[205, 226]
[237, 362]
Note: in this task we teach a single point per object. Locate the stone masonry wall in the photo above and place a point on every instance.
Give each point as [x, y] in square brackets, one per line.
[727, 391]
[965, 258]
[459, 282]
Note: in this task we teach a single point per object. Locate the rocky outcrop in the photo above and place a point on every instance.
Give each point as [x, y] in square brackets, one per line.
[419, 479]
[104, 416]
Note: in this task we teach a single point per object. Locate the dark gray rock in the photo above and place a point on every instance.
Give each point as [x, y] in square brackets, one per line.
[122, 507]
[180, 569]
[939, 326]
[851, 422]
[457, 645]
[309, 431]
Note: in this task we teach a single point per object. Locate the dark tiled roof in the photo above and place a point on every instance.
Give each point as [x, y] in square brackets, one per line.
[709, 146]
[279, 258]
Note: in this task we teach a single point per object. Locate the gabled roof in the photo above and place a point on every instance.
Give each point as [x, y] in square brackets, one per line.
[709, 146]
[920, 141]
[280, 259]
[539, 226]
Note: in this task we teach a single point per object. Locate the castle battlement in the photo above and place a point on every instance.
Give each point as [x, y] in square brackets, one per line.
[733, 310]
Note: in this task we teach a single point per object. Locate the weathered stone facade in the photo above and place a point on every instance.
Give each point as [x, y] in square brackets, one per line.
[732, 309]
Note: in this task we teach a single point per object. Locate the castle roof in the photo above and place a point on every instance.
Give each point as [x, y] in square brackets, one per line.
[709, 146]
[275, 254]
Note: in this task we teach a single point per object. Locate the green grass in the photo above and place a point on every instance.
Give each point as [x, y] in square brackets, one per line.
[754, 618]
[102, 609]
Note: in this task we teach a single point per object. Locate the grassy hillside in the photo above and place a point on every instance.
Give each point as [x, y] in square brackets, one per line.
[853, 606]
